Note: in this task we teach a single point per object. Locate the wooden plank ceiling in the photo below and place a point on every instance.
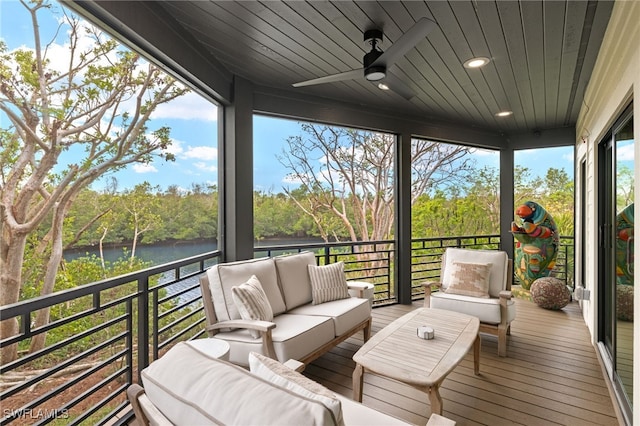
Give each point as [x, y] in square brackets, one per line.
[542, 53]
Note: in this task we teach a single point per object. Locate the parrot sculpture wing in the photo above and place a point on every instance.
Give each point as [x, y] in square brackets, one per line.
[624, 246]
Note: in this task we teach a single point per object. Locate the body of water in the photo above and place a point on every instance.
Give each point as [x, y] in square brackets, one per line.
[158, 254]
[168, 252]
[155, 253]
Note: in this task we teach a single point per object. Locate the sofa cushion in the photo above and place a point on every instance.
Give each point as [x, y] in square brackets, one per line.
[252, 302]
[278, 374]
[191, 388]
[486, 310]
[294, 277]
[499, 265]
[469, 279]
[346, 313]
[328, 282]
[294, 337]
[225, 276]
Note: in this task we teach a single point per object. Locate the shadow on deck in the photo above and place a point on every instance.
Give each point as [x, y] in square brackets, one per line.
[551, 376]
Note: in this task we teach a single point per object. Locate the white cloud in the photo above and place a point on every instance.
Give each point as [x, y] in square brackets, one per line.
[175, 148]
[568, 157]
[144, 168]
[205, 167]
[292, 179]
[191, 106]
[207, 153]
[625, 152]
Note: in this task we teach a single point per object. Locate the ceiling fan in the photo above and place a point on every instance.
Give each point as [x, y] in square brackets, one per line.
[376, 63]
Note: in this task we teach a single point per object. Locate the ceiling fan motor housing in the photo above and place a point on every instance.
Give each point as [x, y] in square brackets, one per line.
[373, 73]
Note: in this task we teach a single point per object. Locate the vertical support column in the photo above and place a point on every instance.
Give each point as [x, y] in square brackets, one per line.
[236, 175]
[403, 217]
[506, 200]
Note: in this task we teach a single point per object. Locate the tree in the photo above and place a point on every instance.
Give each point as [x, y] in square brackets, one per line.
[99, 103]
[141, 208]
[349, 175]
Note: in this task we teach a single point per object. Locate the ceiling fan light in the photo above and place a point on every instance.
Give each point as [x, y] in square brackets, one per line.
[383, 86]
[504, 113]
[476, 62]
[374, 73]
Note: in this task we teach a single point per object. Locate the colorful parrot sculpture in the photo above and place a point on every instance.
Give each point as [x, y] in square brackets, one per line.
[537, 243]
[624, 246]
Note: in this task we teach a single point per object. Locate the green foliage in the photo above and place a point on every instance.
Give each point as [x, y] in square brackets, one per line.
[85, 270]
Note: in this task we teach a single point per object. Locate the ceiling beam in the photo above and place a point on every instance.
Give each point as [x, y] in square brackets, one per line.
[286, 104]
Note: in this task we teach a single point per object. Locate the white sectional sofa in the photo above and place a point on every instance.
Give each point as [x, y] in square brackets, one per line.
[300, 329]
[189, 387]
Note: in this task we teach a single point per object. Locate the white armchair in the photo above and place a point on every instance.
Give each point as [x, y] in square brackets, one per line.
[478, 283]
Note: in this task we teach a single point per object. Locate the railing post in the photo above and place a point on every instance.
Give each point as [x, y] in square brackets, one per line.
[143, 324]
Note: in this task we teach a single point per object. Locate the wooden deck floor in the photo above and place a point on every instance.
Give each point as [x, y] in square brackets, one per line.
[551, 376]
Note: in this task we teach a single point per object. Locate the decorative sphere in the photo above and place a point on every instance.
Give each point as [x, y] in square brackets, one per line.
[550, 293]
[624, 302]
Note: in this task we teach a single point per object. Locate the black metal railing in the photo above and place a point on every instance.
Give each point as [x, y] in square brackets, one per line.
[86, 366]
[426, 255]
[371, 261]
[81, 374]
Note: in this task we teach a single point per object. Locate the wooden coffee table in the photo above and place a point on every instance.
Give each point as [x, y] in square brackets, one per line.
[398, 353]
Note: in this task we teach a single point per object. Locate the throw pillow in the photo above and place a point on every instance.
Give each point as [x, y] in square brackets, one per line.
[281, 375]
[252, 302]
[469, 279]
[328, 282]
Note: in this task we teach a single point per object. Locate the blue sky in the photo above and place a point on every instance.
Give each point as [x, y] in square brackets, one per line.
[194, 129]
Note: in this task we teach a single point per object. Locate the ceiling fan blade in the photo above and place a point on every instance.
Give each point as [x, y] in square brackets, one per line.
[406, 42]
[349, 75]
[398, 86]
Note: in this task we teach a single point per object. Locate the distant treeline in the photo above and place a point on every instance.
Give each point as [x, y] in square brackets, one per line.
[152, 215]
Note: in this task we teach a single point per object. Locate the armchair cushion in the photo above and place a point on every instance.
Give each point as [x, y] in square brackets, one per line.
[487, 310]
[328, 282]
[283, 376]
[252, 302]
[469, 279]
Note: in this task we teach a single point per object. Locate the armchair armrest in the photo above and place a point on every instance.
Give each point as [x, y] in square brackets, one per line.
[427, 291]
[506, 294]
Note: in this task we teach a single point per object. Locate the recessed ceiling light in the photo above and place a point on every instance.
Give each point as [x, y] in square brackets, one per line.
[383, 86]
[504, 113]
[476, 62]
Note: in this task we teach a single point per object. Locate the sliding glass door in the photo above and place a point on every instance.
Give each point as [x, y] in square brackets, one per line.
[616, 254]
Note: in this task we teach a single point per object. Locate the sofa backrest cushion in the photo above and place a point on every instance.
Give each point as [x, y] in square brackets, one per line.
[499, 265]
[294, 278]
[189, 387]
[225, 276]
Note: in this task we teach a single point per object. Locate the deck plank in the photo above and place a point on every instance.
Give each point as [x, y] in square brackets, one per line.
[551, 376]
